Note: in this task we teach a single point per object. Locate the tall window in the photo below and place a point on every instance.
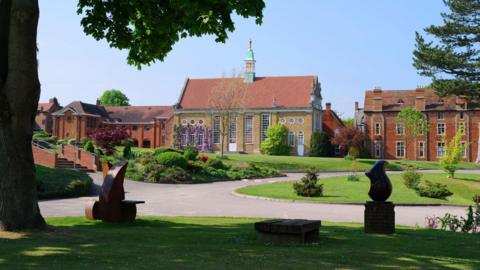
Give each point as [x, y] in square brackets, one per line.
[200, 138]
[216, 130]
[378, 128]
[265, 124]
[464, 149]
[232, 129]
[421, 149]
[441, 128]
[440, 115]
[91, 122]
[191, 139]
[401, 149]
[300, 138]
[248, 129]
[440, 149]
[291, 138]
[183, 138]
[462, 115]
[378, 149]
[399, 129]
[164, 138]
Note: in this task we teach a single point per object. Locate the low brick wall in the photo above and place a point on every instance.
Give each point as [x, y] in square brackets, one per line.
[80, 156]
[43, 157]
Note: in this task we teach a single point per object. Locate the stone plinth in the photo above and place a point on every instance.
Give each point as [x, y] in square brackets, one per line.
[379, 217]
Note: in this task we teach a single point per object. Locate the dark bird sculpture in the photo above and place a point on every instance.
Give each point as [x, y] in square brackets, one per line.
[380, 185]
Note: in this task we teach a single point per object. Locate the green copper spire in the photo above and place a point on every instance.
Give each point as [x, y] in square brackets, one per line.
[249, 76]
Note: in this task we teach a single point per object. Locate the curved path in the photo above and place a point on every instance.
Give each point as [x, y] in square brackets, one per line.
[216, 199]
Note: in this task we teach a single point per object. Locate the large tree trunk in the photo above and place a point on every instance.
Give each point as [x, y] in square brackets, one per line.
[19, 93]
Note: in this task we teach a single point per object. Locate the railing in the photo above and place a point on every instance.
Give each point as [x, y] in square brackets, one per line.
[80, 156]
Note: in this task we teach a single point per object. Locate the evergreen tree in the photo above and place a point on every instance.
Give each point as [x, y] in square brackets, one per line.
[451, 58]
[320, 145]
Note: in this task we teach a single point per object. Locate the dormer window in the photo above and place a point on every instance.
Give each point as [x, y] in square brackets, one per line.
[440, 115]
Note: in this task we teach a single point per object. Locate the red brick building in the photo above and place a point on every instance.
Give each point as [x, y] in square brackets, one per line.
[385, 134]
[331, 124]
[43, 118]
[148, 126]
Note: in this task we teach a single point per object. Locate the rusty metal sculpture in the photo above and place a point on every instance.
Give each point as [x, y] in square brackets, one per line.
[112, 206]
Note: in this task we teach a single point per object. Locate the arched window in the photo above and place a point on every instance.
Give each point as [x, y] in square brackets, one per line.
[300, 138]
[146, 143]
[291, 138]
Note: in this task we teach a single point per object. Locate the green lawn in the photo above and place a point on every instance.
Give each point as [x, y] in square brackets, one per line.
[294, 163]
[338, 189]
[228, 243]
[61, 183]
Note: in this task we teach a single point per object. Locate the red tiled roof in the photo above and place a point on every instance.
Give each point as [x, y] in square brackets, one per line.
[264, 92]
[45, 106]
[138, 114]
[395, 100]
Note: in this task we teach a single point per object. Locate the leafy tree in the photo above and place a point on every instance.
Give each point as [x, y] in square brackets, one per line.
[348, 121]
[451, 59]
[146, 29]
[414, 124]
[88, 146]
[109, 137]
[114, 97]
[453, 154]
[276, 141]
[320, 145]
[349, 137]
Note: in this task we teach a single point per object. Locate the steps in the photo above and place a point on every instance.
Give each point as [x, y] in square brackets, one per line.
[67, 164]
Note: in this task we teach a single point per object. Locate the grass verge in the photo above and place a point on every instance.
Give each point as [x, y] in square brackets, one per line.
[228, 243]
[338, 189]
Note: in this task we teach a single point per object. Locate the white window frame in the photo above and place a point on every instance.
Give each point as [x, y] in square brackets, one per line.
[444, 129]
[377, 149]
[378, 128]
[248, 129]
[264, 117]
[441, 115]
[399, 129]
[464, 148]
[461, 126]
[402, 149]
[216, 125]
[300, 138]
[291, 138]
[421, 149]
[438, 149]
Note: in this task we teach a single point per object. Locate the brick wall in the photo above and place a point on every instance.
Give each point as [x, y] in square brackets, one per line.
[43, 157]
[80, 156]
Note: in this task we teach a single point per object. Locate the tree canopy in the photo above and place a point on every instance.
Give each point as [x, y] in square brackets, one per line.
[149, 29]
[451, 57]
[114, 97]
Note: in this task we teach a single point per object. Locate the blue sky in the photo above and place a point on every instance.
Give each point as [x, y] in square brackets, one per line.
[351, 45]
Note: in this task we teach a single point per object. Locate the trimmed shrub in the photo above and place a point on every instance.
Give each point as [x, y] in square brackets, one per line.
[320, 145]
[164, 149]
[175, 175]
[411, 178]
[61, 183]
[190, 153]
[353, 178]
[433, 190]
[88, 146]
[172, 159]
[217, 164]
[276, 142]
[127, 151]
[308, 186]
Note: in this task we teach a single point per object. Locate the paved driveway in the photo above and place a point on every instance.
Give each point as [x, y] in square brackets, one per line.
[216, 199]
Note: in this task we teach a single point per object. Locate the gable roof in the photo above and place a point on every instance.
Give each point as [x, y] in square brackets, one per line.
[264, 92]
[52, 104]
[80, 108]
[138, 114]
[396, 100]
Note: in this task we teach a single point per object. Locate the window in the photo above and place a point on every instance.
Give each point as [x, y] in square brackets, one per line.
[441, 128]
[216, 130]
[232, 129]
[69, 119]
[192, 121]
[183, 138]
[200, 121]
[184, 122]
[378, 128]
[462, 116]
[378, 149]
[91, 122]
[291, 120]
[461, 127]
[337, 149]
[440, 149]
[191, 139]
[200, 138]
[282, 120]
[399, 129]
[164, 138]
[421, 149]
[291, 138]
[420, 129]
[265, 124]
[248, 129]
[147, 128]
[300, 120]
[146, 143]
[464, 150]
[401, 149]
[300, 138]
[134, 128]
[440, 115]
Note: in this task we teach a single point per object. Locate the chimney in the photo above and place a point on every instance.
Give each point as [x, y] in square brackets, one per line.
[328, 106]
[420, 99]
[356, 106]
[377, 99]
